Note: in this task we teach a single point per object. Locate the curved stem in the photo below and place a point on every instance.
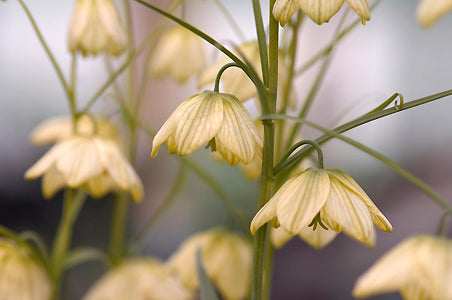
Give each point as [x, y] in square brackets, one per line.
[284, 162]
[224, 68]
[47, 49]
[443, 223]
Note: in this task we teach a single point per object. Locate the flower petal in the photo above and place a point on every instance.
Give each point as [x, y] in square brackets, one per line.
[429, 11]
[320, 11]
[318, 238]
[301, 198]
[265, 214]
[361, 8]
[283, 10]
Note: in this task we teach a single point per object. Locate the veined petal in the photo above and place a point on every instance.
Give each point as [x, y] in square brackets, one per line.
[377, 217]
[200, 123]
[80, 162]
[301, 198]
[346, 209]
[52, 182]
[80, 20]
[279, 237]
[112, 26]
[429, 11]
[265, 214]
[318, 238]
[283, 10]
[320, 11]
[361, 8]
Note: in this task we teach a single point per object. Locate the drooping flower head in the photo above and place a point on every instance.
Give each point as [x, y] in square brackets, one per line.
[138, 279]
[96, 27]
[218, 119]
[329, 197]
[179, 54]
[21, 276]
[226, 257]
[419, 268]
[429, 11]
[320, 11]
[91, 160]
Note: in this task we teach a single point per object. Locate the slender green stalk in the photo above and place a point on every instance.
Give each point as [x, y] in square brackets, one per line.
[220, 72]
[47, 49]
[393, 165]
[118, 227]
[285, 156]
[238, 31]
[261, 40]
[174, 191]
[443, 224]
[71, 208]
[73, 88]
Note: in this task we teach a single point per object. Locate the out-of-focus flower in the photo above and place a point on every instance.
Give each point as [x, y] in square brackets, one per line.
[214, 118]
[419, 268]
[85, 160]
[429, 11]
[96, 27]
[235, 81]
[327, 198]
[21, 277]
[59, 128]
[178, 54]
[226, 257]
[138, 279]
[320, 11]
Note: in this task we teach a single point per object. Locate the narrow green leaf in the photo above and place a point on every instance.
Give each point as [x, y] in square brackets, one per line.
[84, 254]
[207, 290]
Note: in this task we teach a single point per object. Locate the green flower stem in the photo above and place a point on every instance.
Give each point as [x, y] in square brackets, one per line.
[238, 31]
[47, 49]
[73, 88]
[261, 40]
[443, 224]
[324, 51]
[217, 79]
[248, 70]
[268, 270]
[118, 227]
[393, 165]
[174, 191]
[73, 202]
[278, 166]
[261, 242]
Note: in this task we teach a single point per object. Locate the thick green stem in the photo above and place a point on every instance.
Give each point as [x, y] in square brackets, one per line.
[118, 228]
[71, 208]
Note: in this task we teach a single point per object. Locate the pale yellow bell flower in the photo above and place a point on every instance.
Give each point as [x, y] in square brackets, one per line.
[320, 11]
[218, 119]
[329, 194]
[59, 128]
[90, 162]
[179, 54]
[235, 81]
[138, 279]
[317, 238]
[226, 257]
[429, 11]
[96, 27]
[21, 277]
[419, 268]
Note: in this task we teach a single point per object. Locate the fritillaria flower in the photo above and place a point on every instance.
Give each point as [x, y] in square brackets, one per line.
[96, 27]
[419, 268]
[320, 11]
[218, 119]
[138, 279]
[89, 160]
[178, 54]
[328, 198]
[21, 277]
[429, 11]
[226, 257]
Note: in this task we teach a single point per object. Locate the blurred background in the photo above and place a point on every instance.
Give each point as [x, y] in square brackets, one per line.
[392, 53]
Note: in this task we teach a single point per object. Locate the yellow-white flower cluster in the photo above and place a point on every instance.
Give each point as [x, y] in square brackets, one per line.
[419, 268]
[226, 257]
[21, 277]
[87, 156]
[320, 11]
[218, 119]
[330, 195]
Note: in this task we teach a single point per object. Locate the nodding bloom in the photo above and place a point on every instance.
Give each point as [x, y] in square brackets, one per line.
[226, 257]
[218, 119]
[419, 268]
[22, 277]
[179, 54]
[86, 159]
[328, 198]
[96, 27]
[429, 11]
[138, 279]
[320, 11]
